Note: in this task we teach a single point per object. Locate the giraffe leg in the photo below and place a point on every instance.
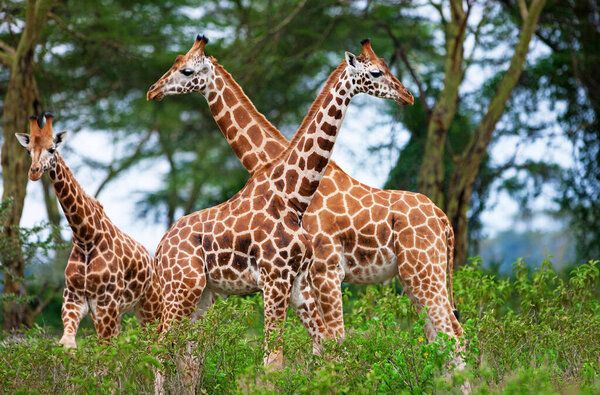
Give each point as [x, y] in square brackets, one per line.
[107, 319]
[149, 307]
[182, 297]
[276, 299]
[326, 279]
[188, 364]
[430, 291]
[74, 308]
[305, 306]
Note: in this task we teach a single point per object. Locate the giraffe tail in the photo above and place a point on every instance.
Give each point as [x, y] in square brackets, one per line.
[450, 263]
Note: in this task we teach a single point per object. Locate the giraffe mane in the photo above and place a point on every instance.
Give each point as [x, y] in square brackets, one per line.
[316, 105]
[247, 104]
[309, 117]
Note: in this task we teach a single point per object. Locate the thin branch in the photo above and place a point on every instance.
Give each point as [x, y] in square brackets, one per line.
[125, 164]
[7, 57]
[82, 37]
[66, 27]
[463, 17]
[476, 38]
[6, 60]
[7, 48]
[402, 53]
[523, 9]
[439, 9]
[42, 303]
[288, 19]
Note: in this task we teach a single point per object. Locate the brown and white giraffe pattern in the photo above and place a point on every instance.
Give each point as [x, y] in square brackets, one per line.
[362, 235]
[108, 273]
[255, 240]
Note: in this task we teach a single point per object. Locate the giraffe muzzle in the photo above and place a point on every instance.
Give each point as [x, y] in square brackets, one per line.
[35, 173]
[405, 99]
[154, 93]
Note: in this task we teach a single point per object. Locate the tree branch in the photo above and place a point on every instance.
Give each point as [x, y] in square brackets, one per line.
[439, 9]
[288, 19]
[66, 27]
[8, 56]
[42, 303]
[402, 54]
[523, 9]
[125, 164]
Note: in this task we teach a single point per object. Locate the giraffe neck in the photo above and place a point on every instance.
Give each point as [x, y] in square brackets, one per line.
[82, 211]
[252, 137]
[304, 161]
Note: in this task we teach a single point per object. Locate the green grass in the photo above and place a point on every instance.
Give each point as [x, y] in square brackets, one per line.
[531, 333]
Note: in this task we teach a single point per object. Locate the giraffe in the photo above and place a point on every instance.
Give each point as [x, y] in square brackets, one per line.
[108, 273]
[362, 235]
[255, 241]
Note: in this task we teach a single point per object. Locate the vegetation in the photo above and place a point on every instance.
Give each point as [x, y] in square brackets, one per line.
[91, 62]
[481, 72]
[532, 332]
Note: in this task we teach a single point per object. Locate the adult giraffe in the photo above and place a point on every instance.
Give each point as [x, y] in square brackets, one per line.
[255, 240]
[108, 273]
[361, 235]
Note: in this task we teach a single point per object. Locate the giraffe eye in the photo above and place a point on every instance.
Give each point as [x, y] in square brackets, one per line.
[186, 72]
[51, 150]
[376, 73]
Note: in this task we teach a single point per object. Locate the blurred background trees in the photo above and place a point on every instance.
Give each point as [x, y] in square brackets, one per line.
[489, 77]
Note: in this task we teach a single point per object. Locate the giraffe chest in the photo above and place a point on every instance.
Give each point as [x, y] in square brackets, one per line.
[241, 262]
[113, 274]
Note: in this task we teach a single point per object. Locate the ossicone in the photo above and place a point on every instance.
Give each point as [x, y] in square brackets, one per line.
[202, 37]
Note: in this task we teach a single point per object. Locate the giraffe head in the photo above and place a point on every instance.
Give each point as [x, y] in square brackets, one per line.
[370, 74]
[41, 145]
[192, 72]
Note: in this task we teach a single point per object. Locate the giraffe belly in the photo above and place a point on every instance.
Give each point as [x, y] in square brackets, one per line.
[372, 268]
[231, 282]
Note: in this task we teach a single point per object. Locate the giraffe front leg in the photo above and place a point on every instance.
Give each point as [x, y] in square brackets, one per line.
[326, 279]
[74, 308]
[305, 306]
[276, 299]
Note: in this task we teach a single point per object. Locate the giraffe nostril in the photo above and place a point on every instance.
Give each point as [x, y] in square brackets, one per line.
[153, 87]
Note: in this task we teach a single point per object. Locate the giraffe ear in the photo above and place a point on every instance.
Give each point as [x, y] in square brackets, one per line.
[23, 139]
[60, 138]
[351, 62]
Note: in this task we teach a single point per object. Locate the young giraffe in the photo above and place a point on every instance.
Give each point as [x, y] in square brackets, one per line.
[255, 240]
[108, 273]
[362, 235]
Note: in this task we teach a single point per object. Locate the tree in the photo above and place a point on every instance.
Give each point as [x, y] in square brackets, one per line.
[570, 75]
[453, 193]
[21, 101]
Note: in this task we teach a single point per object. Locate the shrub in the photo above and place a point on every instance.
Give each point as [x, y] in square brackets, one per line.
[533, 332]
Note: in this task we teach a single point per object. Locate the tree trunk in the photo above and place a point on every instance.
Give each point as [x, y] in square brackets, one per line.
[431, 173]
[466, 165]
[22, 100]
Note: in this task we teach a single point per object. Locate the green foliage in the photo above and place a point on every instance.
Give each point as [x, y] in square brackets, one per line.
[533, 332]
[37, 245]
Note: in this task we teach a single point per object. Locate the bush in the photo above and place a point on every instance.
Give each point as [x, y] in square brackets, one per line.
[533, 332]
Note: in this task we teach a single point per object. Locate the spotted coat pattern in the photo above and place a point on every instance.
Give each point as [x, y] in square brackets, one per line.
[255, 241]
[362, 235]
[108, 273]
